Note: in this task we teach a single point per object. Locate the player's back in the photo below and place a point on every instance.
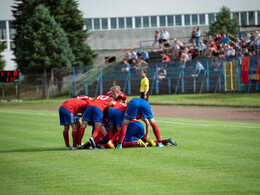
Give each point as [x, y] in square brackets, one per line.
[120, 106]
[101, 102]
[75, 105]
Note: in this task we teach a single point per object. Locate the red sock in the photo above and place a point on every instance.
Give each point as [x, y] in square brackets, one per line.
[81, 133]
[130, 144]
[75, 136]
[115, 137]
[66, 137]
[123, 132]
[96, 132]
[164, 142]
[156, 132]
[100, 137]
[110, 134]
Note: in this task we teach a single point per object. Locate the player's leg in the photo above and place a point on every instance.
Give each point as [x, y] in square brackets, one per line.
[156, 131]
[66, 136]
[74, 135]
[82, 131]
[101, 135]
[123, 132]
[95, 134]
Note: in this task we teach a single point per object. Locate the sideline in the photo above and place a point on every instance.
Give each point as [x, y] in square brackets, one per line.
[159, 121]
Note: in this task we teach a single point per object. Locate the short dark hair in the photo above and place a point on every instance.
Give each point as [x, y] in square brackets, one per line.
[144, 71]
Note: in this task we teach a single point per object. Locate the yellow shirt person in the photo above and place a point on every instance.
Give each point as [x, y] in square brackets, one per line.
[144, 86]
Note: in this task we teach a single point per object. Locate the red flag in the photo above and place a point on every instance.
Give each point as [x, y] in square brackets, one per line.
[258, 70]
[245, 67]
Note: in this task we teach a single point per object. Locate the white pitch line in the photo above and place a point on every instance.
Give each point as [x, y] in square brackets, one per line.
[170, 122]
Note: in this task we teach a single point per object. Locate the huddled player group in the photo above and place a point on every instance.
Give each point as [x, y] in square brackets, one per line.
[114, 122]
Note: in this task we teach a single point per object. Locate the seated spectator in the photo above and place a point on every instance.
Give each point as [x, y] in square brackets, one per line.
[134, 64]
[199, 69]
[247, 38]
[257, 47]
[126, 66]
[161, 72]
[192, 54]
[238, 41]
[143, 65]
[231, 52]
[202, 49]
[257, 36]
[213, 50]
[225, 39]
[133, 56]
[156, 40]
[205, 41]
[127, 56]
[145, 56]
[165, 58]
[184, 58]
[170, 48]
[177, 46]
[139, 54]
[240, 32]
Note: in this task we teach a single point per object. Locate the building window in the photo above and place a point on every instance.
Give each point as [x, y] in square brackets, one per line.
[162, 21]
[202, 19]
[258, 17]
[129, 22]
[12, 30]
[153, 21]
[211, 18]
[235, 15]
[170, 21]
[243, 18]
[113, 23]
[104, 23]
[138, 22]
[251, 16]
[89, 24]
[187, 20]
[145, 21]
[121, 22]
[194, 19]
[178, 20]
[96, 24]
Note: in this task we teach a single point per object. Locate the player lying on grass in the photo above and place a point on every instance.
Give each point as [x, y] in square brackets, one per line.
[68, 112]
[134, 107]
[115, 92]
[94, 112]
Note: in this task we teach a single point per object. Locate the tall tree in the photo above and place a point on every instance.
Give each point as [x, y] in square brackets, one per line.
[224, 23]
[66, 13]
[2, 61]
[45, 44]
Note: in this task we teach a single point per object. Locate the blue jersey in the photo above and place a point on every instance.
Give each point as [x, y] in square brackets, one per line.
[135, 131]
[138, 106]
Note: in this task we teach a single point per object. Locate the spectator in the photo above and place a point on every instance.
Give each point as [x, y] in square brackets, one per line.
[161, 72]
[139, 55]
[225, 39]
[177, 46]
[184, 58]
[257, 36]
[199, 69]
[197, 36]
[142, 65]
[231, 52]
[134, 64]
[202, 49]
[126, 66]
[247, 38]
[213, 50]
[145, 56]
[127, 56]
[165, 58]
[133, 56]
[257, 47]
[240, 33]
[156, 40]
[205, 40]
[193, 34]
[192, 54]
[171, 46]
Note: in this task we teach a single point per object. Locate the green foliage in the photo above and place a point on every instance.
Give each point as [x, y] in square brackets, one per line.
[224, 23]
[212, 157]
[2, 61]
[67, 15]
[45, 44]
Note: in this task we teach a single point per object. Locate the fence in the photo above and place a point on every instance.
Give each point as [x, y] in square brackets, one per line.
[219, 76]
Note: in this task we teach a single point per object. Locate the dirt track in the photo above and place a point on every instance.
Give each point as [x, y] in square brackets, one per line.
[225, 114]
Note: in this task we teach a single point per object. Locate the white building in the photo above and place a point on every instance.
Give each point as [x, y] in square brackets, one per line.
[116, 23]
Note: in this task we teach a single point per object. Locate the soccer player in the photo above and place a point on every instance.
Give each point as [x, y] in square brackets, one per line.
[115, 92]
[68, 116]
[135, 106]
[94, 112]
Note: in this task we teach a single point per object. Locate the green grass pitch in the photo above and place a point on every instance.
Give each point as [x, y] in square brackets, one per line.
[212, 157]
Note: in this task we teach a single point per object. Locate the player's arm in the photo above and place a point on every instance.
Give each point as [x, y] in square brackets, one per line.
[147, 126]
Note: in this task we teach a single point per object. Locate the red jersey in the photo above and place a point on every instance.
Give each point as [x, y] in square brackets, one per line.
[121, 96]
[75, 105]
[120, 106]
[214, 45]
[83, 97]
[166, 58]
[101, 102]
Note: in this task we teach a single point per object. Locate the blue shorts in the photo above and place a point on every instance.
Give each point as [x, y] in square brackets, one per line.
[93, 113]
[66, 117]
[135, 131]
[115, 117]
[138, 105]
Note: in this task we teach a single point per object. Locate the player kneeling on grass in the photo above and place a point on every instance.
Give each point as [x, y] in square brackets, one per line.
[94, 112]
[68, 116]
[134, 107]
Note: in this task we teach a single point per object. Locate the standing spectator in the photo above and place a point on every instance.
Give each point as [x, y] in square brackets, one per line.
[197, 36]
[193, 34]
[240, 32]
[202, 49]
[126, 66]
[199, 69]
[145, 56]
[144, 86]
[156, 40]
